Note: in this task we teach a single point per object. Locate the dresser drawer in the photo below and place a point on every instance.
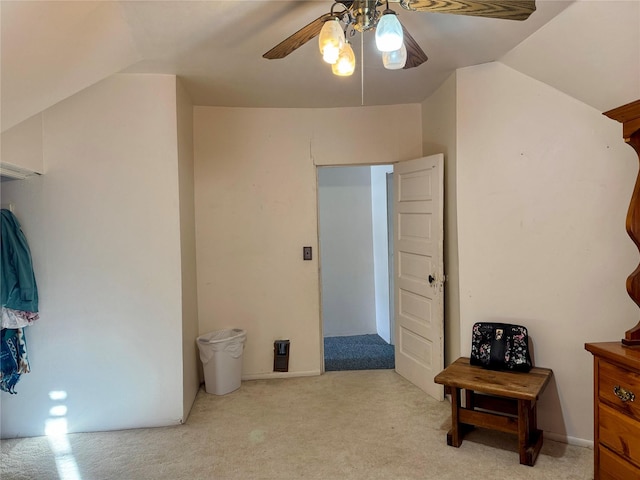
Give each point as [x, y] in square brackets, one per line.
[612, 467]
[620, 433]
[613, 378]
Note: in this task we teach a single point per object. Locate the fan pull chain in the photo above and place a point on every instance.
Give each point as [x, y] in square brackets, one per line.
[361, 69]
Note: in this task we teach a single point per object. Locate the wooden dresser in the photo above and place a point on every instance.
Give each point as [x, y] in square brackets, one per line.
[616, 370]
[616, 365]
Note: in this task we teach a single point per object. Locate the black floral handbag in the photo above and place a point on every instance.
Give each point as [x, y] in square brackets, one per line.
[500, 346]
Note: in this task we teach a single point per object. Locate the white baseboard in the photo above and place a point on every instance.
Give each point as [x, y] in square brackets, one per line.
[268, 375]
[579, 442]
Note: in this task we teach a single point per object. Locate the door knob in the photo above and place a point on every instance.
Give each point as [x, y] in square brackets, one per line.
[431, 279]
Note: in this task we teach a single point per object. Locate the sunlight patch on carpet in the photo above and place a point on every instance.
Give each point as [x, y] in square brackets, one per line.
[56, 429]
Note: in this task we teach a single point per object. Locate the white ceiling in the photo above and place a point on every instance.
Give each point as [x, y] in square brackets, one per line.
[217, 48]
[53, 49]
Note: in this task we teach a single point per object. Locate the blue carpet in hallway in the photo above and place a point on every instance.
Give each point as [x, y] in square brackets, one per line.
[357, 352]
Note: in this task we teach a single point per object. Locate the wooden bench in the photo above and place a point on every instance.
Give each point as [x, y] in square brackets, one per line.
[498, 400]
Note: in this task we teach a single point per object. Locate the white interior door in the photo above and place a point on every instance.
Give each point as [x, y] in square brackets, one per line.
[419, 271]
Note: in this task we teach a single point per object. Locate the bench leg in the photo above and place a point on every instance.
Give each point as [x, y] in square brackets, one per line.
[529, 437]
[454, 437]
[470, 399]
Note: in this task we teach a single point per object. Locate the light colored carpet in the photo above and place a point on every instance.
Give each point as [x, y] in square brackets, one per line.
[367, 424]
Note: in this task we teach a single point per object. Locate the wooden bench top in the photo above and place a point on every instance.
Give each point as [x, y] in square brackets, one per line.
[518, 385]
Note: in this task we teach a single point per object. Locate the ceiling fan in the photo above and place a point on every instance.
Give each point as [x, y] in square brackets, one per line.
[364, 15]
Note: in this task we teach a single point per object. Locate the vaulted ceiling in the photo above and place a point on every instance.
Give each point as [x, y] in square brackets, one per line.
[51, 50]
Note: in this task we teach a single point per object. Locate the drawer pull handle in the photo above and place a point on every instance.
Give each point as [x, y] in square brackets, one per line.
[624, 395]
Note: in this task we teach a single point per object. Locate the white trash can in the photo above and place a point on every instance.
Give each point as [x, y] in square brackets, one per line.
[221, 356]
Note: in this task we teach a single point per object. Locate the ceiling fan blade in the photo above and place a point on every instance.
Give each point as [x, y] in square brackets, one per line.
[415, 55]
[298, 39]
[504, 9]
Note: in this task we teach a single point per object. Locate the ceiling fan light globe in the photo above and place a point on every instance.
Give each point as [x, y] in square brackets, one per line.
[395, 60]
[331, 55]
[389, 33]
[346, 64]
[331, 40]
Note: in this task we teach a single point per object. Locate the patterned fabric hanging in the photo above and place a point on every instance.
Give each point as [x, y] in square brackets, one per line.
[13, 358]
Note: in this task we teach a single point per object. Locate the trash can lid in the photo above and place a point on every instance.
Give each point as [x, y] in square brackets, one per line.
[227, 335]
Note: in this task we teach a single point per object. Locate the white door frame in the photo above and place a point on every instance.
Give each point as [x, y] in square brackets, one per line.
[387, 312]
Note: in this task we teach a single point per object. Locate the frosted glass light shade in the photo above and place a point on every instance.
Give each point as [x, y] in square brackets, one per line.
[331, 40]
[346, 63]
[388, 33]
[331, 54]
[395, 60]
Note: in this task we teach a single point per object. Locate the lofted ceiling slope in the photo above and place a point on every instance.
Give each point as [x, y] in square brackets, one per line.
[590, 52]
[51, 50]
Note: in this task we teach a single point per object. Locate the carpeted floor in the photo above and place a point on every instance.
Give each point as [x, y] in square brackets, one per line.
[357, 352]
[360, 425]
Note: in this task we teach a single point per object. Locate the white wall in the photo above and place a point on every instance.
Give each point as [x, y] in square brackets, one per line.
[543, 186]
[346, 251]
[22, 145]
[439, 135]
[365, 135]
[104, 230]
[256, 207]
[190, 358]
[380, 226]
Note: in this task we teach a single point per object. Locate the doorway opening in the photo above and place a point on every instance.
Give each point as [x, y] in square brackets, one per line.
[356, 265]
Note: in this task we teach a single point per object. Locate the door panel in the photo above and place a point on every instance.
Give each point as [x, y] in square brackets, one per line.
[419, 271]
[414, 346]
